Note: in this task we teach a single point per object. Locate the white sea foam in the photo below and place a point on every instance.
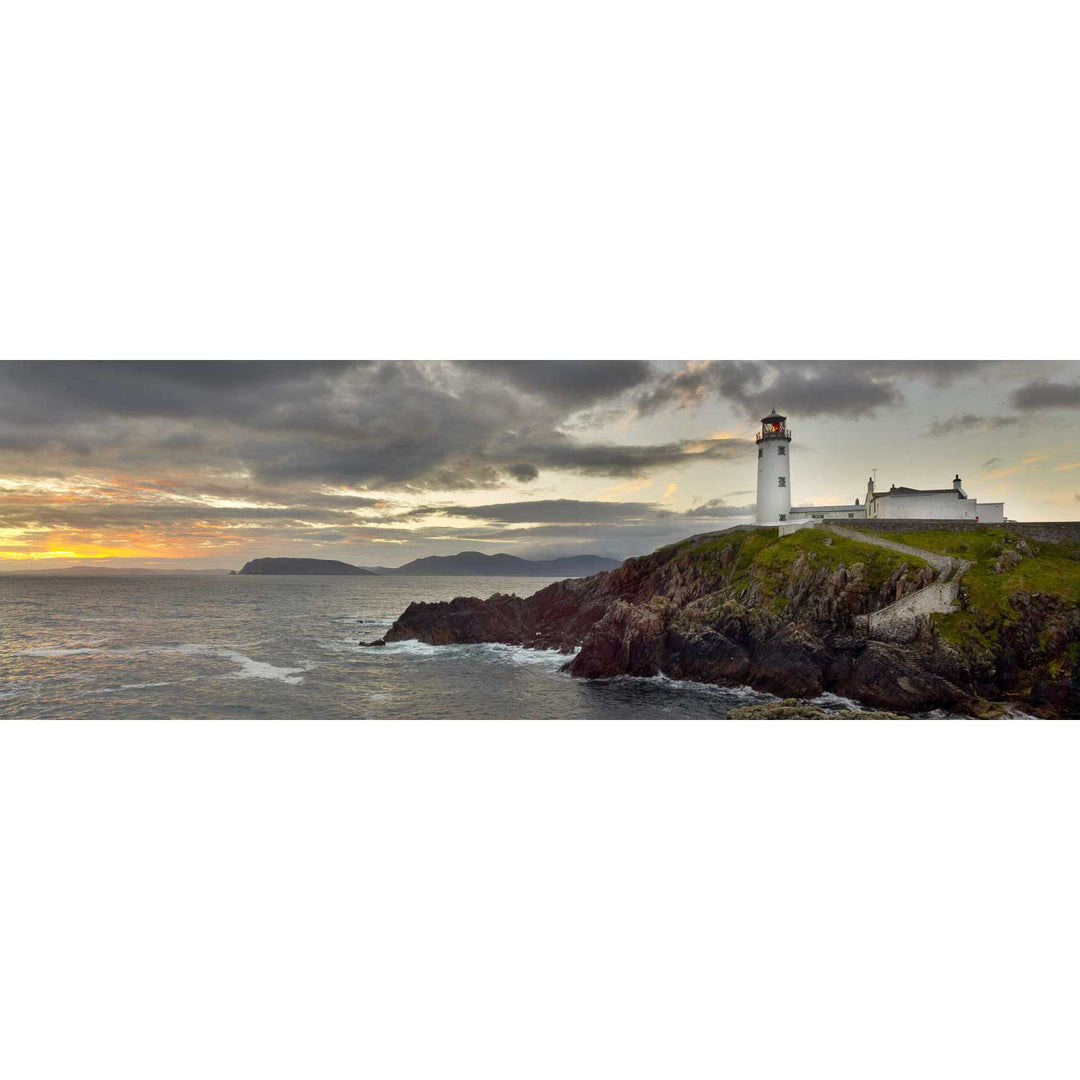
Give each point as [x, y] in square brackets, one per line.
[56, 651]
[259, 669]
[518, 654]
[340, 645]
[829, 698]
[739, 693]
[132, 686]
[249, 668]
[490, 650]
[419, 649]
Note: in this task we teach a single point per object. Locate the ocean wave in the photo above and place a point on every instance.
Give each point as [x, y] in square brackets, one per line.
[492, 650]
[132, 686]
[339, 645]
[49, 650]
[829, 699]
[249, 667]
[739, 693]
[518, 654]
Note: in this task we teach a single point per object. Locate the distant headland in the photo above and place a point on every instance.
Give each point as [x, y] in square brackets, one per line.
[302, 566]
[464, 564]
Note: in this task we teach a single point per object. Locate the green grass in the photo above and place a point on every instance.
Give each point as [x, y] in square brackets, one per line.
[763, 557]
[880, 563]
[1053, 570]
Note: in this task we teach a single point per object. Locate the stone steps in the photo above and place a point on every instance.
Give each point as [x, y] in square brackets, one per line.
[901, 619]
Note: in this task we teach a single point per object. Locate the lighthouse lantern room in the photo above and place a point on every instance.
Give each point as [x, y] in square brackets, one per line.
[773, 469]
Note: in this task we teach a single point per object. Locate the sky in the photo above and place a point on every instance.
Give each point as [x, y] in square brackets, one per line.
[203, 464]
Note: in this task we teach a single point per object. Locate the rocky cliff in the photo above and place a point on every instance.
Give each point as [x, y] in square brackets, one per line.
[781, 615]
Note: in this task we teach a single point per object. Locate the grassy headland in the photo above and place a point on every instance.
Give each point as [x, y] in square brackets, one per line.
[990, 598]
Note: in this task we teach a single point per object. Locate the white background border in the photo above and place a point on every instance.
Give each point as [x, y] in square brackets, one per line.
[582, 179]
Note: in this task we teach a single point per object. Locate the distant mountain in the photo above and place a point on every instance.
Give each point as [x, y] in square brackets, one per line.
[111, 571]
[477, 563]
[301, 566]
[464, 564]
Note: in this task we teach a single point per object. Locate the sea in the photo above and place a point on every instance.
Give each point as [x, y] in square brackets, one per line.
[264, 648]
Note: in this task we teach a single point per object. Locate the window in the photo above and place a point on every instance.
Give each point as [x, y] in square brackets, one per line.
[783, 517]
[851, 515]
[781, 450]
[781, 481]
[759, 454]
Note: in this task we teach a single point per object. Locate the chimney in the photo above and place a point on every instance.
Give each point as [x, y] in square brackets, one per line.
[957, 488]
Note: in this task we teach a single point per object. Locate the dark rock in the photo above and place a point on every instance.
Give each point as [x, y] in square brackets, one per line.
[793, 709]
[885, 675]
[700, 611]
[371, 644]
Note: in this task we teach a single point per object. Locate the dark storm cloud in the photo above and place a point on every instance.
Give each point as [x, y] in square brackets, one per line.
[523, 471]
[611, 459]
[85, 389]
[691, 386]
[1047, 395]
[825, 391]
[811, 387]
[416, 427]
[577, 512]
[803, 389]
[570, 384]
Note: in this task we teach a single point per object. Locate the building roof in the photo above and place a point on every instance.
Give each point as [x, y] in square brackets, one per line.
[774, 415]
[815, 509]
[916, 491]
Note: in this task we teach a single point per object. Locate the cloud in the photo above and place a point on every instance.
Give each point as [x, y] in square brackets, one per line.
[411, 427]
[523, 471]
[1047, 395]
[797, 388]
[992, 463]
[571, 384]
[969, 422]
[577, 512]
[611, 459]
[852, 389]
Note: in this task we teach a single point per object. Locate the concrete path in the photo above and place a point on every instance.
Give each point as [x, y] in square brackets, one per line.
[900, 621]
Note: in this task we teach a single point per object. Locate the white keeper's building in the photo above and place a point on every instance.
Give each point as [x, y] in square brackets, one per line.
[774, 491]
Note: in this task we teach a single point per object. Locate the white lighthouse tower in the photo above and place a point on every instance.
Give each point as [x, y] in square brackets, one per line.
[773, 469]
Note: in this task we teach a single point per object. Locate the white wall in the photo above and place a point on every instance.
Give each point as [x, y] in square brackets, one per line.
[772, 499]
[836, 515]
[944, 507]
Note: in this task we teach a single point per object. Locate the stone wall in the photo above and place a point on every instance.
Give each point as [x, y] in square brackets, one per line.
[901, 620]
[1039, 531]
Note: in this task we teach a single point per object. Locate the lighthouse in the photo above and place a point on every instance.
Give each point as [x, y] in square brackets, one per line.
[773, 469]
